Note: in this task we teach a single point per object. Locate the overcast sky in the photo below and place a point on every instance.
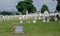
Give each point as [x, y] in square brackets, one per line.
[10, 5]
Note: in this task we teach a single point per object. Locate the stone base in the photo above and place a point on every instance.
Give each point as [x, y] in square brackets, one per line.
[18, 32]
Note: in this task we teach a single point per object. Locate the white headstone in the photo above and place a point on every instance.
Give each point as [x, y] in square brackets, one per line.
[44, 19]
[18, 29]
[46, 14]
[19, 18]
[23, 16]
[56, 18]
[34, 21]
[39, 18]
[27, 12]
[3, 17]
[35, 18]
[21, 21]
[47, 19]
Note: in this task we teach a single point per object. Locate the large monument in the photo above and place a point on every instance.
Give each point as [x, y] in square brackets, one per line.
[46, 16]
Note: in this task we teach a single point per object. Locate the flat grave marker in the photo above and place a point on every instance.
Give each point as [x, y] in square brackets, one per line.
[18, 29]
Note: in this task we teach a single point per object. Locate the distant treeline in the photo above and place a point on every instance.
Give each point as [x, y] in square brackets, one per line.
[9, 13]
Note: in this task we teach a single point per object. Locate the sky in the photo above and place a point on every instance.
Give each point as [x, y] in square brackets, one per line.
[10, 5]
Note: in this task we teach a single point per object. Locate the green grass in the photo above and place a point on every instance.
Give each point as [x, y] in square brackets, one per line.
[39, 29]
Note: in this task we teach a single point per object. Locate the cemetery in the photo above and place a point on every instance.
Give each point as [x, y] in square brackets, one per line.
[30, 25]
[29, 19]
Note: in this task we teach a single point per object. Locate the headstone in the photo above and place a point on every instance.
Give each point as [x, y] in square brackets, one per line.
[3, 17]
[56, 18]
[46, 14]
[39, 18]
[47, 19]
[18, 29]
[23, 16]
[34, 21]
[19, 18]
[27, 12]
[21, 21]
[44, 20]
[35, 18]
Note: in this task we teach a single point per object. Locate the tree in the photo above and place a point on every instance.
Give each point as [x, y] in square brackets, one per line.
[44, 8]
[30, 1]
[17, 13]
[23, 5]
[58, 5]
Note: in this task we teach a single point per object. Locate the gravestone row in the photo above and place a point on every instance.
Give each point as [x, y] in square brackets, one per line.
[34, 21]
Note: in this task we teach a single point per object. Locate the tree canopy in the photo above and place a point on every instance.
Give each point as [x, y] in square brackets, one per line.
[44, 8]
[30, 1]
[58, 5]
[22, 6]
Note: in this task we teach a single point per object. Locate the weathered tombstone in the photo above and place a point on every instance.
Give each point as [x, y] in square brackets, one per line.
[34, 21]
[18, 29]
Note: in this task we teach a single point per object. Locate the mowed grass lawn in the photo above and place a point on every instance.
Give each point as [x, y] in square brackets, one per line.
[39, 29]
